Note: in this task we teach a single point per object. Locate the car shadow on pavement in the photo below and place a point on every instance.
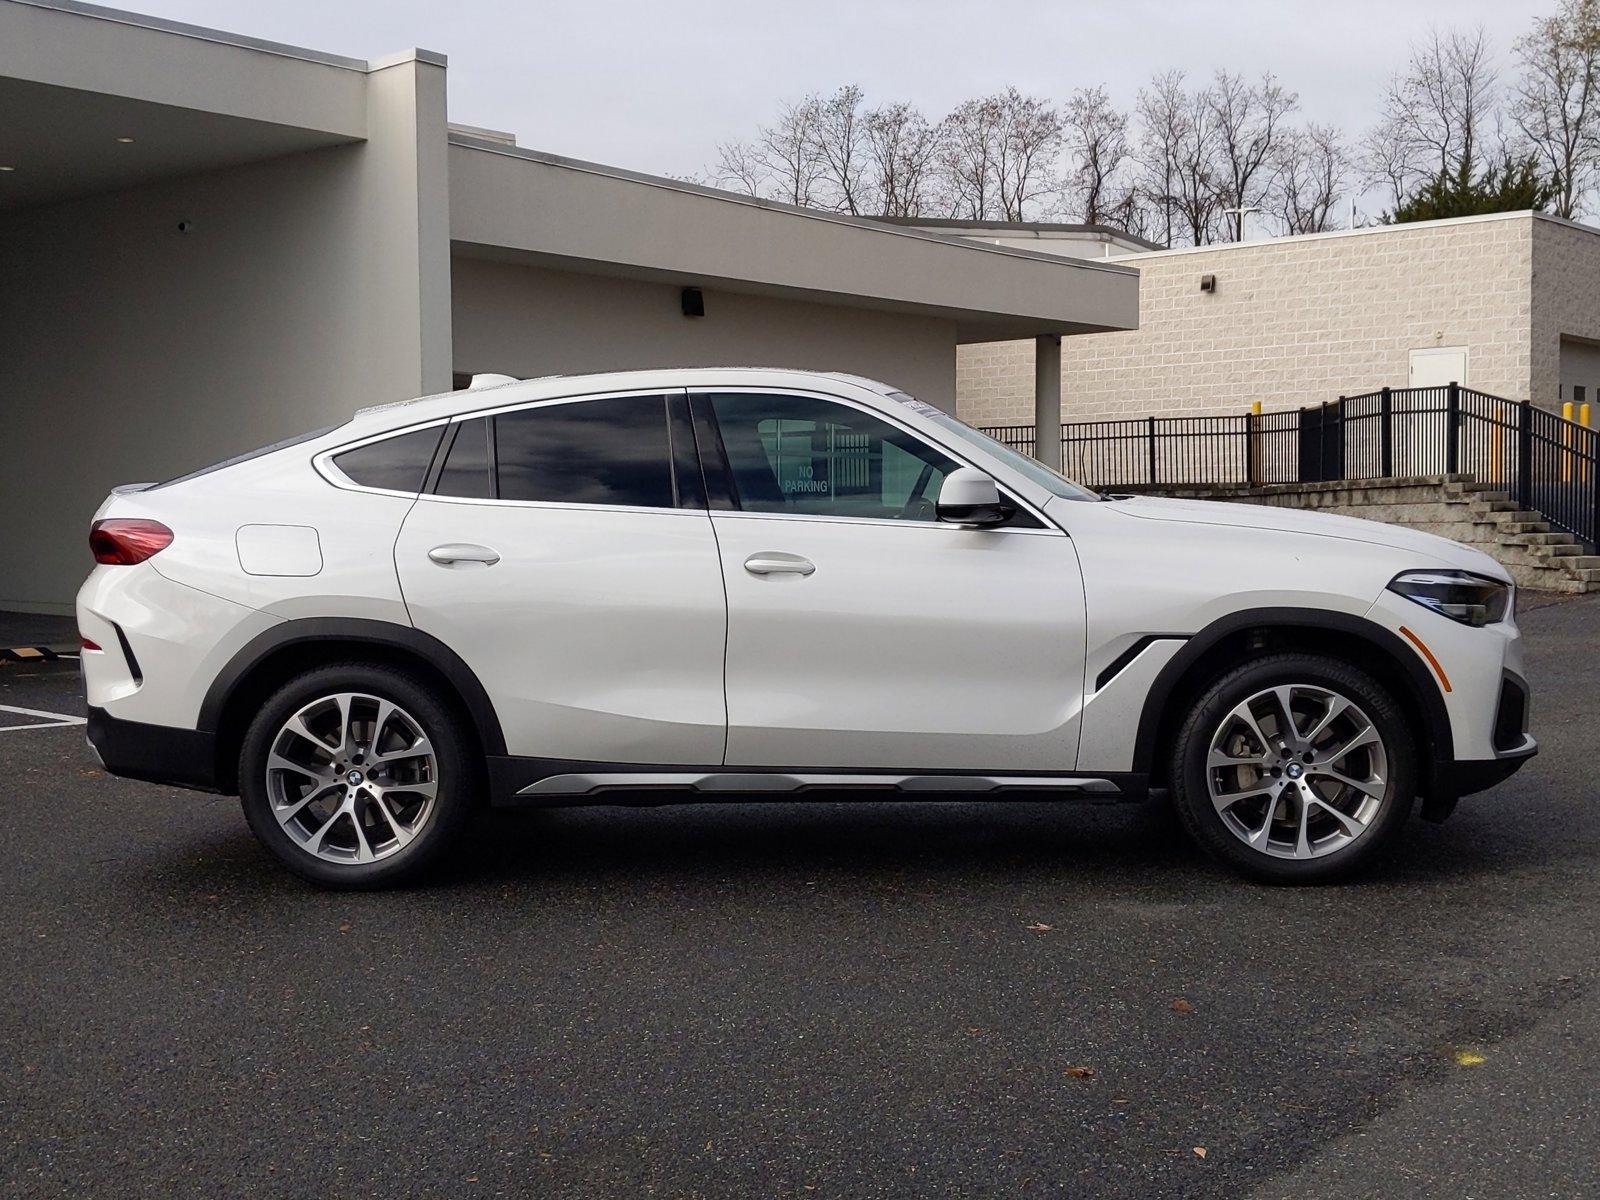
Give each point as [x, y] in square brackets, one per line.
[1122, 847]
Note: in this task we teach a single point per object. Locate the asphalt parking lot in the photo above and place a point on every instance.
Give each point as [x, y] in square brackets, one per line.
[799, 1000]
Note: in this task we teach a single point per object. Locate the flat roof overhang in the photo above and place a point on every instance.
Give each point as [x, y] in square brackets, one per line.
[515, 205]
[74, 78]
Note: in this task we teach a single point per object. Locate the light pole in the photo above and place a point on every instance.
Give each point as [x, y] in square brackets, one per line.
[1240, 213]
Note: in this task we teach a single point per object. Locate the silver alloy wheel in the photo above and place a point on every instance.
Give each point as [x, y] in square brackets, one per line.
[1297, 771]
[352, 778]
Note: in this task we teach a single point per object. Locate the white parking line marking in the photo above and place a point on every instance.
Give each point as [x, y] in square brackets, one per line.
[49, 720]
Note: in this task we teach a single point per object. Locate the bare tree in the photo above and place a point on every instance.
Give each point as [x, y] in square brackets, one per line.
[1030, 144]
[967, 140]
[1096, 136]
[997, 155]
[1197, 197]
[1556, 102]
[784, 161]
[1440, 106]
[1388, 160]
[1163, 113]
[840, 133]
[1247, 121]
[903, 150]
[1310, 170]
[740, 168]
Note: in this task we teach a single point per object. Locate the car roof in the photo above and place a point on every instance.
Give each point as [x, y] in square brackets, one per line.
[498, 395]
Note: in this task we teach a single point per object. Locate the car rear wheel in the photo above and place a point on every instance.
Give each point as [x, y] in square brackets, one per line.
[356, 776]
[1295, 769]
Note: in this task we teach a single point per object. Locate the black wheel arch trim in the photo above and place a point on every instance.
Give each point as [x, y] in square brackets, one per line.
[310, 630]
[1425, 691]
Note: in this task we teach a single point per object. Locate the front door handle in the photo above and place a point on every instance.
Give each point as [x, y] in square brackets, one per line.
[775, 562]
[459, 553]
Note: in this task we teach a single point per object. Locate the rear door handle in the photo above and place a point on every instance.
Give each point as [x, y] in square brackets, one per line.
[775, 562]
[458, 553]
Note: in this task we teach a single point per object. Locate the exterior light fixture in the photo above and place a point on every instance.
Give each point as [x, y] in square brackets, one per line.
[7, 169]
[126, 141]
[693, 301]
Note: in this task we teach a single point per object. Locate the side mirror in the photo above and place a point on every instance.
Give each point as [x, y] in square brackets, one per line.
[969, 497]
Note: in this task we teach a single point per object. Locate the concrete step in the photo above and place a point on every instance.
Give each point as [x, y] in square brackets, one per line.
[1482, 516]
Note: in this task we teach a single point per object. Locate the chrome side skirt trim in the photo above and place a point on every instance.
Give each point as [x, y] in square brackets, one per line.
[720, 782]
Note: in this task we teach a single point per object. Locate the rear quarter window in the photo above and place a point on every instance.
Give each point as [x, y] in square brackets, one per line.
[397, 464]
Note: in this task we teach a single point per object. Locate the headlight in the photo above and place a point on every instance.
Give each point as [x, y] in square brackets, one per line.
[1459, 595]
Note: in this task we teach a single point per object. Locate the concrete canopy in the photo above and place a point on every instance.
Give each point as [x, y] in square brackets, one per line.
[514, 204]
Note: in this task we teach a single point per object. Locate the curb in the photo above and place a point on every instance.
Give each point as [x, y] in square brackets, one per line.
[37, 653]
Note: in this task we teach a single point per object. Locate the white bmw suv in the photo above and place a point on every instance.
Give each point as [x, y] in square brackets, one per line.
[731, 584]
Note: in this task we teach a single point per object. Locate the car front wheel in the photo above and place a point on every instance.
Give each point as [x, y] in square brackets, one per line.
[1296, 768]
[356, 776]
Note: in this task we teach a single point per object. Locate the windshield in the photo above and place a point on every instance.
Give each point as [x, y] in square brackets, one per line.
[1052, 481]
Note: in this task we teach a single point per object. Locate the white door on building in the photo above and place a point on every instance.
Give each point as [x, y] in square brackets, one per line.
[1438, 365]
[1419, 436]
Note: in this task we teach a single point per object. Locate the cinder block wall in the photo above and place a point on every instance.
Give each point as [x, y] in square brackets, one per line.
[1565, 299]
[1298, 321]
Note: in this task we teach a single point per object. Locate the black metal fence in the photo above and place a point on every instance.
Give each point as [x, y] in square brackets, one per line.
[1546, 463]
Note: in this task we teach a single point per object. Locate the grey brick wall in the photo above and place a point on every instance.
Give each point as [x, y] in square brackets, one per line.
[1298, 321]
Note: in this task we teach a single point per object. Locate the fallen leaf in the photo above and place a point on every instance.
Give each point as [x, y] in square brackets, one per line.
[1081, 1072]
[1469, 1058]
[1041, 927]
[1200, 1151]
[1182, 1005]
[344, 926]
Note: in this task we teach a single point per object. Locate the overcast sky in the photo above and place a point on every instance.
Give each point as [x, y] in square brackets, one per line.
[655, 84]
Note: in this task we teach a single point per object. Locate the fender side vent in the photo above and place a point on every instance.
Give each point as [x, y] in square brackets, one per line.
[127, 653]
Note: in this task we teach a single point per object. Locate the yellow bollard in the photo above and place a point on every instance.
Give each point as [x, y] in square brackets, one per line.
[1253, 444]
[1566, 442]
[1583, 419]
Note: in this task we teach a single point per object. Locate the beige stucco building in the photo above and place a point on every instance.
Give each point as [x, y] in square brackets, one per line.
[1507, 304]
[209, 242]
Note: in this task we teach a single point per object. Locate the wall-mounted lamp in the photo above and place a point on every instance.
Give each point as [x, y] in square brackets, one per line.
[1208, 283]
[693, 302]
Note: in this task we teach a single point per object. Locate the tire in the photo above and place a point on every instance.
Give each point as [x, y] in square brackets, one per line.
[1355, 816]
[357, 776]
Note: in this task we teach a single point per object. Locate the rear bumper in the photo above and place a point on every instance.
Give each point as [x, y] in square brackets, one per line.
[154, 753]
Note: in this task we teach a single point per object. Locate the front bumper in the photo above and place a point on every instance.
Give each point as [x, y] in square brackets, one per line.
[1462, 777]
[154, 753]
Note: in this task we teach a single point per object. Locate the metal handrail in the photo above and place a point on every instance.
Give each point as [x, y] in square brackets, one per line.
[1547, 462]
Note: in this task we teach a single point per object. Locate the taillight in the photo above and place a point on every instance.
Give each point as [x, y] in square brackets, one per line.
[123, 541]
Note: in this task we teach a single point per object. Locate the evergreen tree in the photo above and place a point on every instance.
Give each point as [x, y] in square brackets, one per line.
[1513, 185]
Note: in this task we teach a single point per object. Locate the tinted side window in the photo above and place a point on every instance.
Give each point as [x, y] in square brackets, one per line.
[800, 454]
[466, 464]
[611, 451]
[397, 464]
